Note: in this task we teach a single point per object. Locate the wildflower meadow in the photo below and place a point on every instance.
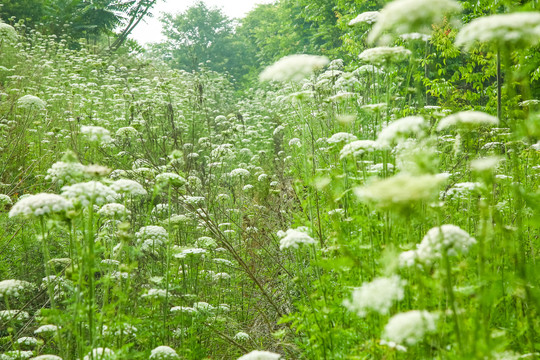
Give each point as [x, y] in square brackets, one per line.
[321, 179]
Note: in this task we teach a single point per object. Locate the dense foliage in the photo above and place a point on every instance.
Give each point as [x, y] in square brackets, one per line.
[375, 199]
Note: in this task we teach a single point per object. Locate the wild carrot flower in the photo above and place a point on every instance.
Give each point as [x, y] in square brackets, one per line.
[128, 187]
[96, 134]
[260, 355]
[293, 238]
[100, 353]
[126, 132]
[368, 17]
[445, 238]
[467, 120]
[46, 329]
[400, 190]
[163, 353]
[409, 328]
[5, 200]
[515, 30]
[12, 287]
[293, 68]
[31, 102]
[170, 179]
[28, 341]
[401, 129]
[17, 355]
[112, 210]
[39, 205]
[242, 336]
[407, 16]
[384, 54]
[7, 32]
[341, 137]
[378, 296]
[47, 357]
[89, 192]
[65, 172]
[13, 315]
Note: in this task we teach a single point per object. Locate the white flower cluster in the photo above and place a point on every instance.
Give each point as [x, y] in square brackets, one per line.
[13, 315]
[400, 129]
[31, 102]
[155, 294]
[193, 200]
[126, 132]
[206, 242]
[367, 69]
[18, 355]
[91, 192]
[242, 336]
[96, 134]
[28, 341]
[5, 200]
[128, 187]
[407, 16]
[368, 17]
[222, 151]
[400, 190]
[12, 287]
[293, 68]
[112, 210]
[409, 328]
[39, 205]
[203, 306]
[152, 234]
[65, 172]
[221, 276]
[514, 30]
[100, 353]
[341, 137]
[384, 54]
[170, 179]
[449, 238]
[260, 355]
[376, 108]
[190, 252]
[7, 32]
[467, 119]
[46, 329]
[239, 173]
[47, 357]
[163, 353]
[183, 309]
[378, 296]
[293, 238]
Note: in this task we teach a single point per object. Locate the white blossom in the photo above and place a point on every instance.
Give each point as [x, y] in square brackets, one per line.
[260, 355]
[31, 102]
[39, 205]
[401, 129]
[384, 54]
[292, 238]
[467, 119]
[377, 295]
[409, 328]
[407, 16]
[12, 287]
[96, 134]
[293, 68]
[128, 187]
[368, 17]
[91, 192]
[163, 353]
[516, 30]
